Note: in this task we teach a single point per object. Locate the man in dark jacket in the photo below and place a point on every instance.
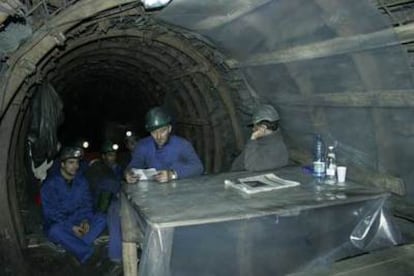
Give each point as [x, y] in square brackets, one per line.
[67, 208]
[130, 142]
[265, 150]
[104, 176]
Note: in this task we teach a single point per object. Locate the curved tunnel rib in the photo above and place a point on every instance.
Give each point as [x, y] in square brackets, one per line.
[155, 63]
[163, 66]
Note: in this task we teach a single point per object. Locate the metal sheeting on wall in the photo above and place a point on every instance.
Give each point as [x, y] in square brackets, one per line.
[329, 66]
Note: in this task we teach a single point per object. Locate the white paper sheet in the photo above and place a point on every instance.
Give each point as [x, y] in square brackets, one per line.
[260, 183]
[145, 174]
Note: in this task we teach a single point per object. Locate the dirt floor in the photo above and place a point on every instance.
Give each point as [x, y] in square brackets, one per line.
[46, 259]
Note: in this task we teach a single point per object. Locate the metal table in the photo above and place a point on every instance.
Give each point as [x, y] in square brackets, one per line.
[198, 227]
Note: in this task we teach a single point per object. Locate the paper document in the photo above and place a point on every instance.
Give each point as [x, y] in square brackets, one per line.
[260, 183]
[144, 174]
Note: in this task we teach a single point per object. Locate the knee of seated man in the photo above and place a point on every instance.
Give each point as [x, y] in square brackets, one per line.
[56, 231]
[100, 218]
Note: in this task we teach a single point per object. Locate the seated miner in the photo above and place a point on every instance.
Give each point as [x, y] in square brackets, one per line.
[265, 150]
[130, 142]
[172, 156]
[104, 176]
[83, 164]
[68, 215]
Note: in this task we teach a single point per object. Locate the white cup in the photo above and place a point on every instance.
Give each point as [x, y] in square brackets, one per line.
[341, 173]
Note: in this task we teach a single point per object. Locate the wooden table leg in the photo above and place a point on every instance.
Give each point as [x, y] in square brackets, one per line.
[130, 258]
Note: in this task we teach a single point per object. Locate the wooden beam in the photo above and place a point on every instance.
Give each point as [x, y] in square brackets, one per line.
[130, 258]
[220, 20]
[391, 3]
[380, 98]
[131, 237]
[11, 255]
[396, 261]
[30, 53]
[403, 208]
[178, 73]
[332, 47]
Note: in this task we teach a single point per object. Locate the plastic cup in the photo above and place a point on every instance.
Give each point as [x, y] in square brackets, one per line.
[341, 173]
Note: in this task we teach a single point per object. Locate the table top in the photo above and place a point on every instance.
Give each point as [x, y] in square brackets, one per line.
[205, 199]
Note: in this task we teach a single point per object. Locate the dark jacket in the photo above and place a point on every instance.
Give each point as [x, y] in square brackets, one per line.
[266, 153]
[105, 183]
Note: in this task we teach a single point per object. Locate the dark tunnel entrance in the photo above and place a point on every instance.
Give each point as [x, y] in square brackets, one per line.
[118, 74]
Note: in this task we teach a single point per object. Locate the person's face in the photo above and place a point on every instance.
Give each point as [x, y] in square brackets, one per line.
[130, 144]
[109, 158]
[258, 131]
[258, 127]
[70, 167]
[161, 135]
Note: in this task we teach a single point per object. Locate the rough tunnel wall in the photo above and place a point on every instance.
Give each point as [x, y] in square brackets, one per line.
[325, 65]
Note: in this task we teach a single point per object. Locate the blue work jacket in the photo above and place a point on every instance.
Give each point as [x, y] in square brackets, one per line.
[64, 203]
[177, 154]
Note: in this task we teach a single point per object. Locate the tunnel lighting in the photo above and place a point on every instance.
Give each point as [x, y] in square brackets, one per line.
[152, 4]
[85, 144]
[128, 133]
[115, 147]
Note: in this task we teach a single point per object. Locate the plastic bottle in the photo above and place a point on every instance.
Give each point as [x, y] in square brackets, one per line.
[318, 157]
[331, 165]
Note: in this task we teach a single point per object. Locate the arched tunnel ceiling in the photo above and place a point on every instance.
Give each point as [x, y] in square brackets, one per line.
[119, 72]
[324, 64]
[329, 66]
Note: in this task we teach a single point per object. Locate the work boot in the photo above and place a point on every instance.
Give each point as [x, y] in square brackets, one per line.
[115, 269]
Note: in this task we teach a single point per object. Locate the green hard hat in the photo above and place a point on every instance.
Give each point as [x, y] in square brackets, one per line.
[156, 118]
[108, 146]
[265, 112]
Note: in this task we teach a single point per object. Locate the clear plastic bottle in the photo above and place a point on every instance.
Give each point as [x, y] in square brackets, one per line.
[318, 157]
[331, 165]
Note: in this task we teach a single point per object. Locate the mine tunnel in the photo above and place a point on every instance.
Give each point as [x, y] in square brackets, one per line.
[127, 69]
[341, 69]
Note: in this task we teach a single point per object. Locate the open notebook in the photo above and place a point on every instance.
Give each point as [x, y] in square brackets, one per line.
[260, 183]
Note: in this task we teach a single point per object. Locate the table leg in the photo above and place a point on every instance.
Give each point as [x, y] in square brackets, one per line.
[130, 258]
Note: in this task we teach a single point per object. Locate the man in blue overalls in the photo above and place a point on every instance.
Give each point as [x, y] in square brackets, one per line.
[67, 208]
[172, 156]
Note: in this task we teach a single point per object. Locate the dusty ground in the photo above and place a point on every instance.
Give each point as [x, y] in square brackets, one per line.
[44, 261]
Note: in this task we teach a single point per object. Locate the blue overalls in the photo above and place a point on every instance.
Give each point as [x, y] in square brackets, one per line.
[65, 205]
[177, 154]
